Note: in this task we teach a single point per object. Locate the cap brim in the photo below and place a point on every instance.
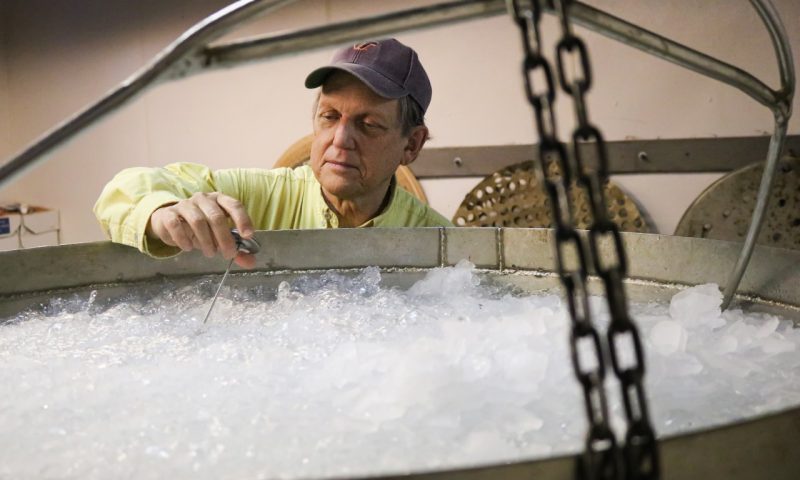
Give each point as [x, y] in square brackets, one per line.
[378, 83]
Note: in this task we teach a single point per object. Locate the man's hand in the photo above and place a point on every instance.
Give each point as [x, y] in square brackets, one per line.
[201, 222]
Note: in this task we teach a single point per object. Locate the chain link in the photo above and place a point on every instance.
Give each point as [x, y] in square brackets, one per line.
[602, 459]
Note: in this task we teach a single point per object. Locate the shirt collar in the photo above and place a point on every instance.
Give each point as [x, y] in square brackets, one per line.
[332, 221]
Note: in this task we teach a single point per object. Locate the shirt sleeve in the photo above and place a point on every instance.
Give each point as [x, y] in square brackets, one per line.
[127, 201]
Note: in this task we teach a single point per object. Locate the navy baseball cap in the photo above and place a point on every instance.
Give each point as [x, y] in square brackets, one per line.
[389, 68]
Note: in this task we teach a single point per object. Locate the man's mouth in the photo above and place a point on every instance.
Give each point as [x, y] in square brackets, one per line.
[340, 165]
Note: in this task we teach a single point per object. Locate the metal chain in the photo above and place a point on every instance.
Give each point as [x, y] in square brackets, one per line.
[601, 459]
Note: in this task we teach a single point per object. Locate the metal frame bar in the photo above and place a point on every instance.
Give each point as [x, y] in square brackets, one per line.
[191, 53]
[686, 57]
[782, 111]
[679, 155]
[183, 54]
[660, 265]
[245, 51]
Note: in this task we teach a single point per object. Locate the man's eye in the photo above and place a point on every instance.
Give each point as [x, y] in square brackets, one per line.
[371, 126]
[329, 117]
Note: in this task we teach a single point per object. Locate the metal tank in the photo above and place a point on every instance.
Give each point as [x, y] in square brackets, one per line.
[659, 266]
[754, 448]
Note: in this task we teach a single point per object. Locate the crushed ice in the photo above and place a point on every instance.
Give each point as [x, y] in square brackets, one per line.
[335, 375]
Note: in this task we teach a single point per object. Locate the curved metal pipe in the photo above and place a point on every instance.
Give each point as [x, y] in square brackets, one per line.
[260, 48]
[231, 54]
[169, 65]
[190, 54]
[780, 42]
[775, 146]
[176, 60]
[782, 110]
[664, 48]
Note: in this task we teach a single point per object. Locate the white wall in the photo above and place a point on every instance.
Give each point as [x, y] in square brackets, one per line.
[5, 120]
[60, 56]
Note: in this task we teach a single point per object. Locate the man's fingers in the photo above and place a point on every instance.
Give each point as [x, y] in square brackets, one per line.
[167, 225]
[202, 222]
[197, 222]
[245, 260]
[217, 220]
[182, 236]
[238, 214]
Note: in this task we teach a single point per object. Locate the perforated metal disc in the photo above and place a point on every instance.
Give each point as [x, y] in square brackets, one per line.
[723, 211]
[514, 197]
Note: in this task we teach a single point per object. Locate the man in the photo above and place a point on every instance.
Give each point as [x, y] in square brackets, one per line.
[368, 120]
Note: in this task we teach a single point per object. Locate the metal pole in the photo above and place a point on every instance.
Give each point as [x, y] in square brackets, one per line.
[234, 53]
[782, 110]
[260, 48]
[172, 62]
[780, 42]
[671, 51]
[775, 146]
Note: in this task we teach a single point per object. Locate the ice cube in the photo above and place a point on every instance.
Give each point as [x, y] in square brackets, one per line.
[775, 345]
[769, 326]
[447, 281]
[697, 305]
[724, 344]
[339, 368]
[668, 337]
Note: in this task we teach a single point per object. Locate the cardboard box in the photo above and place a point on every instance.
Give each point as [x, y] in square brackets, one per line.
[10, 224]
[40, 228]
[37, 227]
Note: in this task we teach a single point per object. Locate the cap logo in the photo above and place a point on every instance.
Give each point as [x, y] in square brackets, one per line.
[363, 47]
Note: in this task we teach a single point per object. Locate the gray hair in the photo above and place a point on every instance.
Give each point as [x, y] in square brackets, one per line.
[411, 114]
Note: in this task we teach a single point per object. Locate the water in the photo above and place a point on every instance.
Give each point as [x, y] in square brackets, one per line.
[339, 376]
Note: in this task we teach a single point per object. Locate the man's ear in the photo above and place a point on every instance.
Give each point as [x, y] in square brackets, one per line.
[416, 140]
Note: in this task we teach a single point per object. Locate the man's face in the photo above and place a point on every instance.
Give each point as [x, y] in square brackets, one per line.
[358, 142]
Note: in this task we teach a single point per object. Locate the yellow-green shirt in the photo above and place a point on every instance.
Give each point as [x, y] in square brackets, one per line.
[279, 199]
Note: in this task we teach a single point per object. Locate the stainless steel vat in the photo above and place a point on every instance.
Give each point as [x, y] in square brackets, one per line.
[755, 448]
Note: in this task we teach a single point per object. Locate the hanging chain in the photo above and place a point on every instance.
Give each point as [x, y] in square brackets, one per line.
[601, 459]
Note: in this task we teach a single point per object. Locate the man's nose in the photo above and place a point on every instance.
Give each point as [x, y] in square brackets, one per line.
[343, 135]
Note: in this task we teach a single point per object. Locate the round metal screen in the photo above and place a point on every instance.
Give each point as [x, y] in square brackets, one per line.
[723, 211]
[514, 197]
